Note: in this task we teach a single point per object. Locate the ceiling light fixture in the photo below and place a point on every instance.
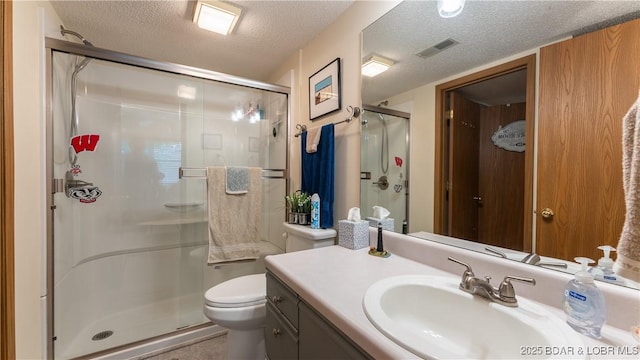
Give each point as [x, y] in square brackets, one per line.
[375, 65]
[216, 16]
[450, 8]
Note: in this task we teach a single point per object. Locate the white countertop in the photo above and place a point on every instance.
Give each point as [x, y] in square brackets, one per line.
[334, 279]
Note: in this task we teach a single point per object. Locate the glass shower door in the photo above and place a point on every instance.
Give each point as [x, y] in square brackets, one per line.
[130, 236]
[384, 161]
[123, 222]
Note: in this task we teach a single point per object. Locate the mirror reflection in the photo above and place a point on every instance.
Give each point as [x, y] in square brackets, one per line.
[478, 189]
[384, 162]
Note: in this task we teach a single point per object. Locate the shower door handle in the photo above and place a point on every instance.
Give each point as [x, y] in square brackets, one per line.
[77, 183]
[71, 183]
[74, 184]
[382, 182]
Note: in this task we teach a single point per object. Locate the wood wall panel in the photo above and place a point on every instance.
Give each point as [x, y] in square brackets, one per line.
[7, 316]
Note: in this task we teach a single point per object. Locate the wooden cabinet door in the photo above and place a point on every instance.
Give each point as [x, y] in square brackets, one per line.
[319, 340]
[587, 84]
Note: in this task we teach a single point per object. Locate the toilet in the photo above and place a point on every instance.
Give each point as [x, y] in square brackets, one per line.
[239, 304]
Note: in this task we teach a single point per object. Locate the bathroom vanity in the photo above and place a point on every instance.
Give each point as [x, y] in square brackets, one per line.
[295, 330]
[315, 301]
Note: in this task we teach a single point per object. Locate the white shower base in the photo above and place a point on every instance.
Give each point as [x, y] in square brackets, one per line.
[165, 343]
[152, 320]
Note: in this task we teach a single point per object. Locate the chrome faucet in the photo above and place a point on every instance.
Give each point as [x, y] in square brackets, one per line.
[503, 295]
[532, 258]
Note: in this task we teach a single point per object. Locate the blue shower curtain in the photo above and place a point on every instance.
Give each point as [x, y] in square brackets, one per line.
[317, 173]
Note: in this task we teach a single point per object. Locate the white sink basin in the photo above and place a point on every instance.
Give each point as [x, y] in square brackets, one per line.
[431, 317]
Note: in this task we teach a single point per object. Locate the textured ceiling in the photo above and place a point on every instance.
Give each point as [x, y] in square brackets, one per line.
[486, 31]
[268, 33]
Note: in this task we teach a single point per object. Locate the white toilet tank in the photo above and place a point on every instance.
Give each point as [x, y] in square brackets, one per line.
[300, 237]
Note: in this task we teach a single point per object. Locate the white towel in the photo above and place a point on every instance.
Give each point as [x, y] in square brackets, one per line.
[313, 138]
[234, 220]
[628, 258]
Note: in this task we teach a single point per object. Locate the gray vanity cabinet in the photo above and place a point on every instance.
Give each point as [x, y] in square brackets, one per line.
[294, 330]
[281, 338]
[318, 339]
[281, 330]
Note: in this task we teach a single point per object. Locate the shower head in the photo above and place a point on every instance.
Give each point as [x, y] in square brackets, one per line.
[64, 31]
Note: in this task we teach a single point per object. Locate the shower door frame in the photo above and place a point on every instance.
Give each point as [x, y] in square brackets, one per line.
[52, 45]
[407, 117]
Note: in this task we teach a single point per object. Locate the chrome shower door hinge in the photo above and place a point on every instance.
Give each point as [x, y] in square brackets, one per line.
[57, 186]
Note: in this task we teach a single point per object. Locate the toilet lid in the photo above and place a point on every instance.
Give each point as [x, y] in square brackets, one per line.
[238, 292]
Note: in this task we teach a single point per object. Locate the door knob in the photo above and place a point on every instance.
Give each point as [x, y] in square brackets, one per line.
[546, 213]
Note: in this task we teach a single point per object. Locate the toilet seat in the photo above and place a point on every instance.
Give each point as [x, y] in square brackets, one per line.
[238, 292]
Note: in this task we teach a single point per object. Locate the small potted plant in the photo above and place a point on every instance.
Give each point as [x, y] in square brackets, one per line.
[293, 200]
[304, 208]
[299, 204]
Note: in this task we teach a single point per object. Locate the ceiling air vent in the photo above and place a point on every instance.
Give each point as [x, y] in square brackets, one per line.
[437, 48]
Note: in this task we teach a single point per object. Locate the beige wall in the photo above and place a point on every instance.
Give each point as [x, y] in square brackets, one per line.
[341, 39]
[421, 154]
[29, 18]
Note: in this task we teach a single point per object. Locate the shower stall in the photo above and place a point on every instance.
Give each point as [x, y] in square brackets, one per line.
[384, 162]
[128, 140]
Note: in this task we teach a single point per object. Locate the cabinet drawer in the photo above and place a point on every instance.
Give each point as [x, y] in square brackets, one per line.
[281, 339]
[283, 298]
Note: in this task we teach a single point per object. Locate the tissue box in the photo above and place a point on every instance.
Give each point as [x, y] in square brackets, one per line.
[353, 235]
[387, 224]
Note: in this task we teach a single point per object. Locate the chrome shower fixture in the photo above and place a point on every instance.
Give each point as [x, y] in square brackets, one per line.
[64, 31]
[79, 65]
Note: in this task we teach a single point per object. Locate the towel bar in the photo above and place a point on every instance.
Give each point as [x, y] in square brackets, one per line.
[187, 172]
[354, 112]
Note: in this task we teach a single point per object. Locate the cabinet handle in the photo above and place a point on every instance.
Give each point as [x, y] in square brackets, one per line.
[276, 299]
[276, 332]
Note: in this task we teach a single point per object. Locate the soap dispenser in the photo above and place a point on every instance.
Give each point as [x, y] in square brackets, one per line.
[315, 211]
[604, 270]
[583, 302]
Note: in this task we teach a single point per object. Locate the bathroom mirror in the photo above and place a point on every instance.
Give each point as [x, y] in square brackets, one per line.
[427, 50]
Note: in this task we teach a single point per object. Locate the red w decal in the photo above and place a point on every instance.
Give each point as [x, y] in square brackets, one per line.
[82, 143]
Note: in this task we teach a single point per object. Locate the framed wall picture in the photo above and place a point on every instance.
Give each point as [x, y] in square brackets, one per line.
[325, 90]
